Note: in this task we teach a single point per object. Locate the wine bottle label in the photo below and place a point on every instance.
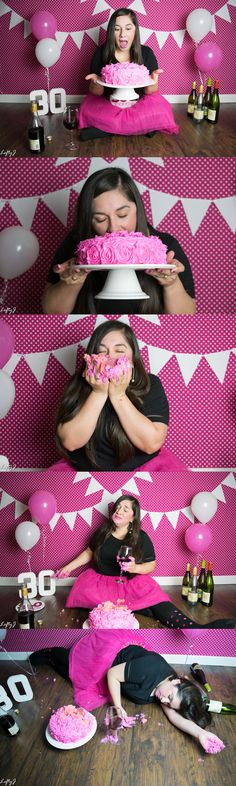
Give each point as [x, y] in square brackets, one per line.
[192, 597]
[215, 706]
[198, 114]
[34, 144]
[206, 597]
[184, 592]
[211, 114]
[24, 625]
[13, 729]
[190, 109]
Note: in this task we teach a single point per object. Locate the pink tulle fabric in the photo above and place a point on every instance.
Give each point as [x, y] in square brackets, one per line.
[91, 588]
[150, 113]
[125, 74]
[105, 368]
[90, 659]
[122, 248]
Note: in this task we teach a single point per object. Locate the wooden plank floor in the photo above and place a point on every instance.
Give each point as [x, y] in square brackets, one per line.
[193, 140]
[154, 754]
[55, 615]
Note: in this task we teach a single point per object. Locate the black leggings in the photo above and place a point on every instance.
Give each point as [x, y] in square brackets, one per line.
[167, 613]
[57, 657]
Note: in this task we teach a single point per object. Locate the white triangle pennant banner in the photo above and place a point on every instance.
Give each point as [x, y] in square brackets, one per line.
[195, 210]
[131, 485]
[19, 509]
[218, 362]
[150, 318]
[73, 318]
[27, 28]
[6, 500]
[188, 364]
[145, 34]
[213, 26]
[93, 487]
[232, 2]
[2, 204]
[61, 38]
[15, 20]
[218, 493]
[12, 363]
[172, 516]
[161, 36]
[161, 204]
[188, 513]
[77, 37]
[223, 13]
[63, 160]
[138, 6]
[144, 476]
[4, 9]
[143, 513]
[37, 362]
[66, 356]
[53, 521]
[178, 36]
[107, 498]
[58, 202]
[230, 481]
[24, 208]
[93, 33]
[155, 160]
[227, 208]
[86, 514]
[101, 6]
[158, 358]
[81, 476]
[70, 518]
[155, 518]
[101, 163]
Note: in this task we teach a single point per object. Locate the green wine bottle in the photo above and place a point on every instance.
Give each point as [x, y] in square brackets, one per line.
[191, 100]
[214, 105]
[221, 706]
[199, 675]
[192, 590]
[198, 112]
[207, 96]
[208, 587]
[201, 579]
[186, 581]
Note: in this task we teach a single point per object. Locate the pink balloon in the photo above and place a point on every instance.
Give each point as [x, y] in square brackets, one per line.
[198, 537]
[42, 505]
[43, 25]
[208, 56]
[7, 342]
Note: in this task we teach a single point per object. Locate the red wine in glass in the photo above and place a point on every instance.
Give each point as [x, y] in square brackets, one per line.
[70, 122]
[124, 555]
[112, 719]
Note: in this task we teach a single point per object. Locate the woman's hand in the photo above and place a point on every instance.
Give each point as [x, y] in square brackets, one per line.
[167, 277]
[93, 77]
[62, 573]
[69, 275]
[155, 75]
[210, 742]
[95, 383]
[130, 566]
[118, 387]
[122, 713]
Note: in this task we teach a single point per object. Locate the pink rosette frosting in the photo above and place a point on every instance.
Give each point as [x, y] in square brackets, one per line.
[125, 74]
[70, 724]
[122, 248]
[104, 368]
[112, 615]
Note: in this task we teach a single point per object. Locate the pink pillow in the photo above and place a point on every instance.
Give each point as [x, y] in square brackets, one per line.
[149, 113]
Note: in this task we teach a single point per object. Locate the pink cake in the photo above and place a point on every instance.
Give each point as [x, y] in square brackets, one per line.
[122, 248]
[105, 368]
[112, 615]
[125, 74]
[70, 724]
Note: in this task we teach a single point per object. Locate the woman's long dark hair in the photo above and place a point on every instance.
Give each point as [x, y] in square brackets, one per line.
[132, 537]
[98, 183]
[109, 46]
[192, 702]
[78, 390]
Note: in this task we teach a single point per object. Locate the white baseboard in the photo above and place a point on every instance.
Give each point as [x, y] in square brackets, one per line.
[23, 98]
[11, 581]
[204, 660]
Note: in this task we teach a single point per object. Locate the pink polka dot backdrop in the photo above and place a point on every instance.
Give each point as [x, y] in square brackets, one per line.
[162, 28]
[202, 410]
[166, 642]
[192, 199]
[159, 493]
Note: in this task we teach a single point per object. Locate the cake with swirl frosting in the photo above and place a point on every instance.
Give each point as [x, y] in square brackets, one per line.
[106, 368]
[70, 724]
[112, 615]
[122, 248]
[125, 74]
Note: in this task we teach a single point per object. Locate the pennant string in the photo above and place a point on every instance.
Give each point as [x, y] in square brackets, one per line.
[4, 291]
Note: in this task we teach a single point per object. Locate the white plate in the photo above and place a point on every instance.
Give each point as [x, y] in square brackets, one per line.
[66, 746]
[38, 605]
[86, 626]
[116, 87]
[128, 267]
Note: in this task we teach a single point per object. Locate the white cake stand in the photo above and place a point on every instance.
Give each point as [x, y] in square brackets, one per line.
[124, 92]
[122, 282]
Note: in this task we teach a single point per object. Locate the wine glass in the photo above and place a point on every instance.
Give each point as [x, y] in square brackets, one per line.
[112, 720]
[70, 122]
[124, 555]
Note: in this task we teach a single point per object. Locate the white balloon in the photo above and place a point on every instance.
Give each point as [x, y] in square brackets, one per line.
[204, 506]
[27, 534]
[7, 397]
[19, 249]
[198, 24]
[4, 463]
[47, 52]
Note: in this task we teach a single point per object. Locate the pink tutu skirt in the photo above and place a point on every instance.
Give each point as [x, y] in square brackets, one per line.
[90, 659]
[149, 113]
[91, 588]
[166, 461]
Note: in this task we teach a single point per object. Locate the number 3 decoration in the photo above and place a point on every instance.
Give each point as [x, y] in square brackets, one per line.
[31, 581]
[55, 100]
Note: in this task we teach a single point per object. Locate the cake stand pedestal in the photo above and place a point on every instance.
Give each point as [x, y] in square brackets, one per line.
[124, 93]
[122, 284]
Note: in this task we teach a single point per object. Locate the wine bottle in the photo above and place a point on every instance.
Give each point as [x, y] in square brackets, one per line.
[35, 131]
[186, 581]
[8, 724]
[201, 579]
[214, 105]
[207, 96]
[199, 675]
[221, 706]
[192, 590]
[191, 100]
[208, 587]
[198, 112]
[25, 611]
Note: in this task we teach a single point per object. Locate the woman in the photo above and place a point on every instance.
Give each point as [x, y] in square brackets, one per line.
[121, 424]
[110, 202]
[139, 590]
[105, 667]
[151, 112]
